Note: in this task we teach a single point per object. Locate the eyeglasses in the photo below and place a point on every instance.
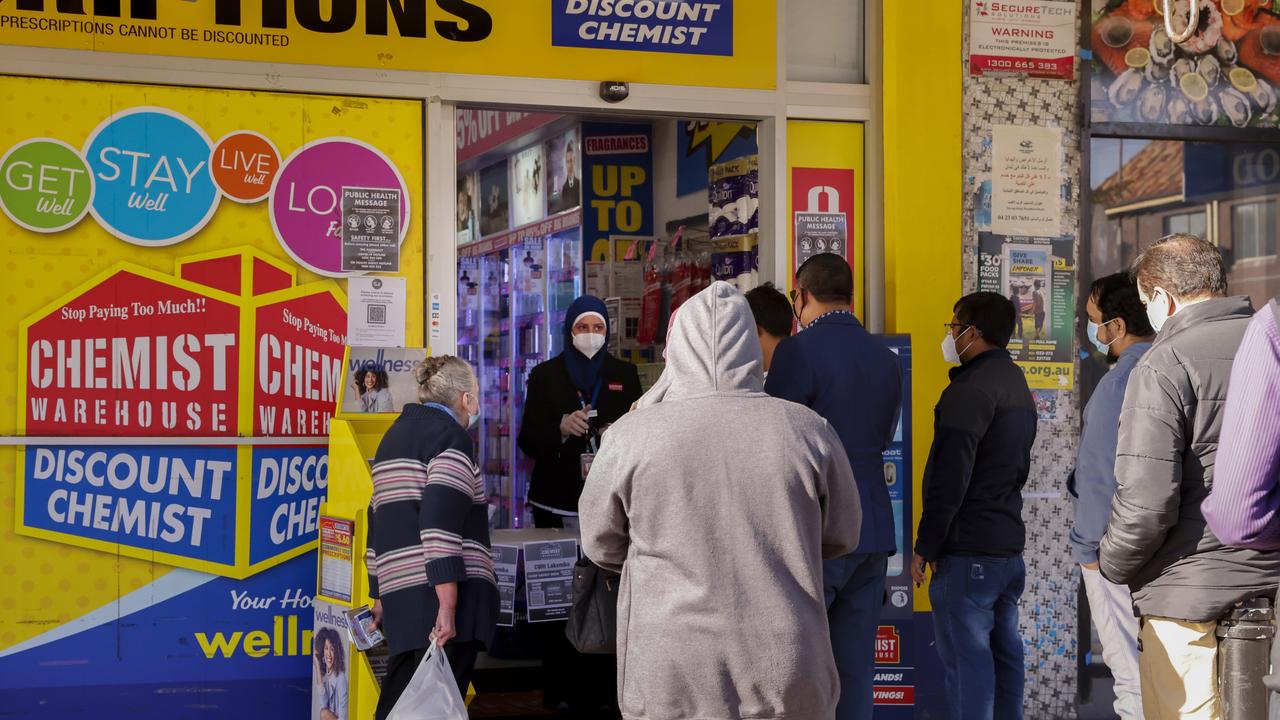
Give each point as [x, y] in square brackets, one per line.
[793, 294]
[954, 326]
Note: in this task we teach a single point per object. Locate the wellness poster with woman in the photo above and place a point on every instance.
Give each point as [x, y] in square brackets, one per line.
[175, 290]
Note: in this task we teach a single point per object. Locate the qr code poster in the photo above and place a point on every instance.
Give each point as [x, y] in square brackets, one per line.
[376, 311]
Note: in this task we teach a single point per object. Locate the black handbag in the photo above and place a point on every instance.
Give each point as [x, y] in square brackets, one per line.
[593, 619]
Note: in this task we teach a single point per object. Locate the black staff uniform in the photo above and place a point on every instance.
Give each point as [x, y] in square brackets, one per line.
[557, 471]
[565, 384]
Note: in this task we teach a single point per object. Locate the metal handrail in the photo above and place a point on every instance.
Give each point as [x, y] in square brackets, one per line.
[1193, 20]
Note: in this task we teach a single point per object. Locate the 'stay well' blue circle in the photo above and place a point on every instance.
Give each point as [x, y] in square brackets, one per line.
[151, 166]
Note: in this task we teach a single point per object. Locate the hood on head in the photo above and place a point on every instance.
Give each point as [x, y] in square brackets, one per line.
[711, 348]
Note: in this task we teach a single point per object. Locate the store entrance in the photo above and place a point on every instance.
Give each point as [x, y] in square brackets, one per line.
[640, 213]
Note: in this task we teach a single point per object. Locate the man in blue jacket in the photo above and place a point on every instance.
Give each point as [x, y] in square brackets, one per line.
[853, 380]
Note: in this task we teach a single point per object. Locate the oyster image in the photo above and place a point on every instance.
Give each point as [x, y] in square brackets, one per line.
[1161, 47]
[1226, 72]
[1237, 107]
[1211, 69]
[1226, 52]
[1125, 89]
[1264, 97]
[1180, 110]
[1151, 103]
[1205, 111]
[1183, 66]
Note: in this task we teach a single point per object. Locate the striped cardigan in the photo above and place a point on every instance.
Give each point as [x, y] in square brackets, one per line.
[429, 525]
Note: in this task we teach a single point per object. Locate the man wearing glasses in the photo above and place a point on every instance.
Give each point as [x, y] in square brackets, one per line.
[854, 381]
[971, 532]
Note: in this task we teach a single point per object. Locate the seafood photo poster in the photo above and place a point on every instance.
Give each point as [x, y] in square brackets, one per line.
[1226, 74]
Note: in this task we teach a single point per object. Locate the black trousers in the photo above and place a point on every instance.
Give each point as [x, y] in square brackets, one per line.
[401, 667]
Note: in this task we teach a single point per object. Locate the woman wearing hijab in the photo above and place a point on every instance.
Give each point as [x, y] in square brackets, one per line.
[719, 530]
[570, 399]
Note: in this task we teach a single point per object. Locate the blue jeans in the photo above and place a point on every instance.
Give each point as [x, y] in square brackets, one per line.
[975, 618]
[854, 586]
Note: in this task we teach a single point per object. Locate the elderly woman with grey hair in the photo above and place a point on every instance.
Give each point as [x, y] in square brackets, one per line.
[430, 570]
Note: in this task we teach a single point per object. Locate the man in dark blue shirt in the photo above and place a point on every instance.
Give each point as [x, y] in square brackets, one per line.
[971, 531]
[853, 380]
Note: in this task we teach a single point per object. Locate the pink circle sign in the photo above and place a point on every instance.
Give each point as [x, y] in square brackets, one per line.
[306, 198]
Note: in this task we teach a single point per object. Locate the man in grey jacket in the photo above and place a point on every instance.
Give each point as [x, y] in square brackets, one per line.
[1182, 577]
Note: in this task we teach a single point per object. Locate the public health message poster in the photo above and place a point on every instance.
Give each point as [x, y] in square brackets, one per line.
[168, 295]
[1038, 276]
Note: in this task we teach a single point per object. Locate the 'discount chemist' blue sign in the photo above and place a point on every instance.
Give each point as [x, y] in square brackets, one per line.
[669, 26]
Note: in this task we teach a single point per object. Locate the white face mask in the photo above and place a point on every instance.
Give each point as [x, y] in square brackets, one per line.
[588, 343]
[949, 351]
[473, 418]
[1158, 308]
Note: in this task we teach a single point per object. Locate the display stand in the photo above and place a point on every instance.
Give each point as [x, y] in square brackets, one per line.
[352, 442]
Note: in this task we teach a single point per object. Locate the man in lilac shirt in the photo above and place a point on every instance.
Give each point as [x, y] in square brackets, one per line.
[1243, 509]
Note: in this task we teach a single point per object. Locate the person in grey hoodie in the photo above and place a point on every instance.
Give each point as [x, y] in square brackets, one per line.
[718, 504]
[1182, 577]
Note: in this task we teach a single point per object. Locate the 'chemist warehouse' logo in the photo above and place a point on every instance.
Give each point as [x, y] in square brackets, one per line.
[141, 354]
[134, 355]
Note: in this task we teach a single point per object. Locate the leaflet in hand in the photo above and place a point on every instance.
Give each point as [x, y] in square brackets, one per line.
[364, 631]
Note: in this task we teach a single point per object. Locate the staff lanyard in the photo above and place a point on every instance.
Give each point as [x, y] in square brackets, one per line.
[582, 400]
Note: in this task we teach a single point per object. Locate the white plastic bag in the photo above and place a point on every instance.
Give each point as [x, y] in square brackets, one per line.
[432, 693]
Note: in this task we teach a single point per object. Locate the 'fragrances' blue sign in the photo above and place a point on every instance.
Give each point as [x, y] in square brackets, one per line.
[667, 26]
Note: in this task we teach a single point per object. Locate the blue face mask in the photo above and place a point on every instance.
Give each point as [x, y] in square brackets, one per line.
[1094, 327]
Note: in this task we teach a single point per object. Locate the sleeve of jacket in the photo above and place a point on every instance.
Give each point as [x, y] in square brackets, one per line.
[540, 423]
[1094, 476]
[446, 501]
[962, 417]
[841, 506]
[1243, 509]
[790, 377]
[371, 554]
[602, 507]
[1149, 454]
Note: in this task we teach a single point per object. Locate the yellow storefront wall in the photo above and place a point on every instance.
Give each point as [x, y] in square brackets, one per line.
[922, 196]
[51, 583]
[837, 146]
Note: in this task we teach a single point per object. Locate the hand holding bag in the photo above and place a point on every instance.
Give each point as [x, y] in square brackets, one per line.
[593, 619]
[432, 693]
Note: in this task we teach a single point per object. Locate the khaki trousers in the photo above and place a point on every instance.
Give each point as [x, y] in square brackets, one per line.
[1179, 668]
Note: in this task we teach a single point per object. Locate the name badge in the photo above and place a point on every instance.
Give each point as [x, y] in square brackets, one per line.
[586, 459]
